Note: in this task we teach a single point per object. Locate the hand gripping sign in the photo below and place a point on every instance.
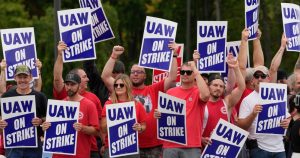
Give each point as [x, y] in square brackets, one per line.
[227, 141]
[252, 17]
[172, 124]
[211, 44]
[122, 139]
[159, 75]
[101, 28]
[155, 53]
[274, 102]
[291, 25]
[61, 137]
[18, 112]
[19, 49]
[75, 26]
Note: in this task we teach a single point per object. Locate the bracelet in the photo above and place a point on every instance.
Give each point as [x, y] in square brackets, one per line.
[113, 57]
[175, 56]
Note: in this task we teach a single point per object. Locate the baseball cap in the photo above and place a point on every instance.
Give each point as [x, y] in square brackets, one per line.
[215, 76]
[22, 69]
[262, 69]
[72, 77]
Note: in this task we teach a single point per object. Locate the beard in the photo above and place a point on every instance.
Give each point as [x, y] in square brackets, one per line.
[137, 84]
[71, 93]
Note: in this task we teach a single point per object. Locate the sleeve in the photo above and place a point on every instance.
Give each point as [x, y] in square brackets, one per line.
[159, 86]
[245, 110]
[60, 95]
[103, 113]
[44, 105]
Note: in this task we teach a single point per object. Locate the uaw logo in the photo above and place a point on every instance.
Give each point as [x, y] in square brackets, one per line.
[223, 110]
[80, 115]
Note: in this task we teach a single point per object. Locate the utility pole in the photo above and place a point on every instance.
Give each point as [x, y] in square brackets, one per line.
[188, 30]
[57, 7]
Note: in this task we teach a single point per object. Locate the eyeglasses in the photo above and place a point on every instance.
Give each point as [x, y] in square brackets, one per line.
[137, 72]
[121, 85]
[188, 72]
[262, 76]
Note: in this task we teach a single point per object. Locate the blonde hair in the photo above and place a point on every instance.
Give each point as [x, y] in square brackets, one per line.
[128, 86]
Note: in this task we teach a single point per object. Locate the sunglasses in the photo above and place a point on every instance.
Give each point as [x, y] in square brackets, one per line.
[262, 76]
[121, 85]
[137, 72]
[187, 72]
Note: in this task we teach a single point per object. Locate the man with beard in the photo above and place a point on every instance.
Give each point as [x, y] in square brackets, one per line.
[87, 126]
[150, 146]
[218, 107]
[60, 92]
[260, 145]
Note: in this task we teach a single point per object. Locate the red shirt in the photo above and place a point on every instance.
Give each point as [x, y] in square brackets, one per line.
[194, 111]
[148, 96]
[88, 117]
[92, 97]
[140, 116]
[214, 111]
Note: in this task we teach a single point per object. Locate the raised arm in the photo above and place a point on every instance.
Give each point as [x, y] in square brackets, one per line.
[233, 98]
[242, 58]
[108, 68]
[276, 61]
[201, 84]
[2, 78]
[258, 55]
[38, 82]
[231, 80]
[58, 82]
[173, 72]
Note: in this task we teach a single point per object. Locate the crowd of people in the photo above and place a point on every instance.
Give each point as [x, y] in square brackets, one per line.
[208, 98]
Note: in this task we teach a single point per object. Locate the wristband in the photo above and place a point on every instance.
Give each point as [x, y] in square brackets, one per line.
[175, 56]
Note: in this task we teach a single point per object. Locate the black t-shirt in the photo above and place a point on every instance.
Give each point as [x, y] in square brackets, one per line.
[40, 101]
[96, 85]
[295, 136]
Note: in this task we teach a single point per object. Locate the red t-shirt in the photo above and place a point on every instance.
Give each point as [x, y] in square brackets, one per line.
[2, 150]
[140, 116]
[194, 110]
[246, 92]
[148, 96]
[88, 117]
[92, 97]
[213, 112]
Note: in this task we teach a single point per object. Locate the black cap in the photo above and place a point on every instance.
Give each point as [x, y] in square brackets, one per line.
[215, 76]
[72, 77]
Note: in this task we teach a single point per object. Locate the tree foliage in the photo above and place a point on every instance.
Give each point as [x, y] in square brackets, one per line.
[127, 19]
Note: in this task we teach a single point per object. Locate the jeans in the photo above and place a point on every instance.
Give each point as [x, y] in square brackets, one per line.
[24, 152]
[260, 153]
